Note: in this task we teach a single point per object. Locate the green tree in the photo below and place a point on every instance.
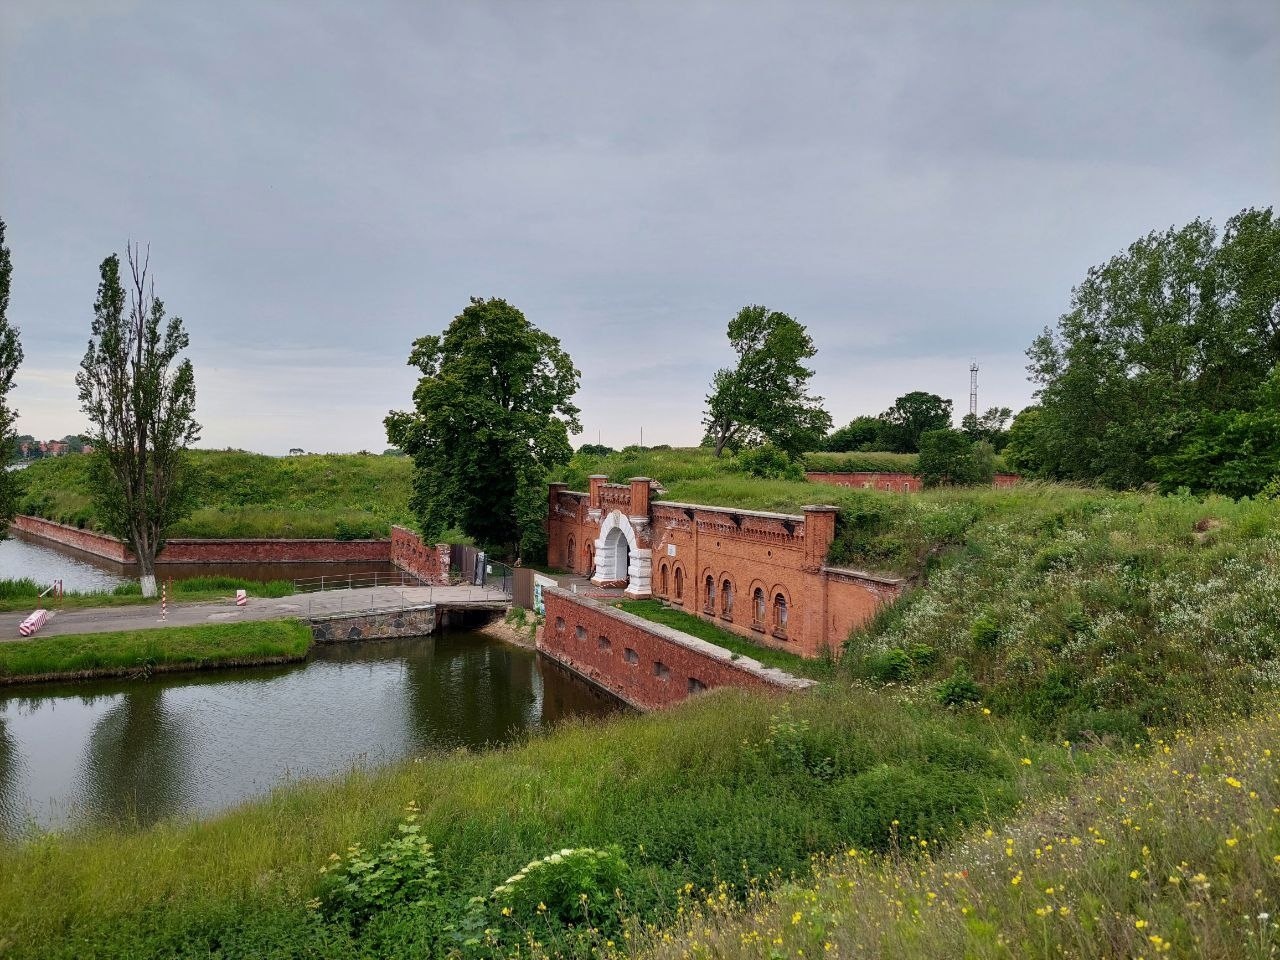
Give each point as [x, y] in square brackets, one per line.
[1022, 443]
[988, 426]
[10, 360]
[492, 415]
[765, 396]
[948, 457]
[911, 416]
[1180, 327]
[140, 399]
[860, 433]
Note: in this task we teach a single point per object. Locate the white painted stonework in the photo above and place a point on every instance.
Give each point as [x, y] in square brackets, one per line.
[619, 556]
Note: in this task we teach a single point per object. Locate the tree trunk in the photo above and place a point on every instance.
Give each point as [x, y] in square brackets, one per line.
[149, 584]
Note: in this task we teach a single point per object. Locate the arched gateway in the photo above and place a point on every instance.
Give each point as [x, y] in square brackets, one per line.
[620, 560]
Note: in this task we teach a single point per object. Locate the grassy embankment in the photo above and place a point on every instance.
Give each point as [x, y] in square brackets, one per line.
[24, 594]
[1176, 854]
[348, 496]
[1098, 618]
[141, 651]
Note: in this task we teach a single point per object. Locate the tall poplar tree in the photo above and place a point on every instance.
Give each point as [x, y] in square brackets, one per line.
[10, 359]
[140, 400]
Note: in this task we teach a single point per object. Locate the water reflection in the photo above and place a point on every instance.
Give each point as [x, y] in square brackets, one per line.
[139, 751]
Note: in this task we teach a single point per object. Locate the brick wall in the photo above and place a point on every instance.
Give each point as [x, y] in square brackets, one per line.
[889, 482]
[570, 535]
[892, 482]
[212, 551]
[429, 564]
[97, 544]
[646, 664]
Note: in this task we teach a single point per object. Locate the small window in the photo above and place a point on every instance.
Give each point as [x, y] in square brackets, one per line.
[569, 554]
[710, 599]
[726, 600]
[662, 582]
[757, 607]
[679, 584]
[605, 643]
[780, 615]
[559, 624]
[696, 685]
[630, 656]
[661, 670]
[581, 632]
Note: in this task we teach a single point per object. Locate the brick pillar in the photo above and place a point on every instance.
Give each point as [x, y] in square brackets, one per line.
[639, 497]
[595, 482]
[553, 494]
[819, 531]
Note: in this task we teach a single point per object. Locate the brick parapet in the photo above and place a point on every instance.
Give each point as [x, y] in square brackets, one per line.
[428, 562]
[192, 550]
[648, 665]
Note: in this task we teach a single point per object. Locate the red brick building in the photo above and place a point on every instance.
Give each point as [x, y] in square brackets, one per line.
[762, 575]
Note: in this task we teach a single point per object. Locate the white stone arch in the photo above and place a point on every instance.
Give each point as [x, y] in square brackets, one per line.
[616, 530]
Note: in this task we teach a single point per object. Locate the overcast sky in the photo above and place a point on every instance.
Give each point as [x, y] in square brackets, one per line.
[320, 183]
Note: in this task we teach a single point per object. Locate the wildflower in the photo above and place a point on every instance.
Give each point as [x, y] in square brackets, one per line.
[1133, 874]
[986, 711]
[542, 907]
[1232, 841]
[795, 918]
[1140, 924]
[1026, 761]
[506, 911]
[1233, 782]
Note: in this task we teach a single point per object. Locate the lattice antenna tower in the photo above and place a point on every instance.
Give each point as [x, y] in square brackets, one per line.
[973, 387]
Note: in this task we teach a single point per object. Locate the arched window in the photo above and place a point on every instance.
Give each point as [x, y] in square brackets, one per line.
[679, 584]
[780, 615]
[726, 599]
[757, 608]
[709, 599]
[662, 585]
[569, 554]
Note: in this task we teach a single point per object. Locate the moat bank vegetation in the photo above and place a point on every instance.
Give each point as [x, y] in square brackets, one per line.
[144, 651]
[239, 494]
[24, 594]
[1051, 632]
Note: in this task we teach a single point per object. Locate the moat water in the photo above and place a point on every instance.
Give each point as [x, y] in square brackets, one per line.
[184, 745]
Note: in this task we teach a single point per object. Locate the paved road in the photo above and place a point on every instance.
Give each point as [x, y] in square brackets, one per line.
[142, 617]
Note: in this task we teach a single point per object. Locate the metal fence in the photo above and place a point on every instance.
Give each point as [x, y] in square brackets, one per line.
[356, 581]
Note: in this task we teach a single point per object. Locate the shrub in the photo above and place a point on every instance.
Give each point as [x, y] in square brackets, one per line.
[571, 886]
[985, 631]
[891, 666]
[959, 688]
[768, 463]
[400, 872]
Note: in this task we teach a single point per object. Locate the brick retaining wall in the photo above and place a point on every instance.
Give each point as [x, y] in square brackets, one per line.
[191, 550]
[339, 628]
[430, 564]
[646, 664]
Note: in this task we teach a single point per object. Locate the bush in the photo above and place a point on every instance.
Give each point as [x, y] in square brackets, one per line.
[768, 463]
[571, 886]
[402, 871]
[959, 689]
[891, 666]
[948, 457]
[985, 631]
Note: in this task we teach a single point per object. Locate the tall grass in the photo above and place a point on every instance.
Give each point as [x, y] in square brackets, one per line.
[1174, 853]
[146, 649]
[711, 789]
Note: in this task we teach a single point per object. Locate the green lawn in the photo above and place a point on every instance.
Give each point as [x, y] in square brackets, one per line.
[143, 649]
[24, 594]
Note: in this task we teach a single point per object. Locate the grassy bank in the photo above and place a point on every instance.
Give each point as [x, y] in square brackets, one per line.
[349, 496]
[24, 594]
[141, 650]
[1176, 853]
[729, 783]
[657, 612]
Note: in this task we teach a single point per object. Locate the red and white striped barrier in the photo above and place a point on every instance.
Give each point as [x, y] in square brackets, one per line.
[242, 598]
[33, 623]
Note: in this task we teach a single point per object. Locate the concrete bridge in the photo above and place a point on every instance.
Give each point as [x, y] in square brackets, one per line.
[304, 606]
